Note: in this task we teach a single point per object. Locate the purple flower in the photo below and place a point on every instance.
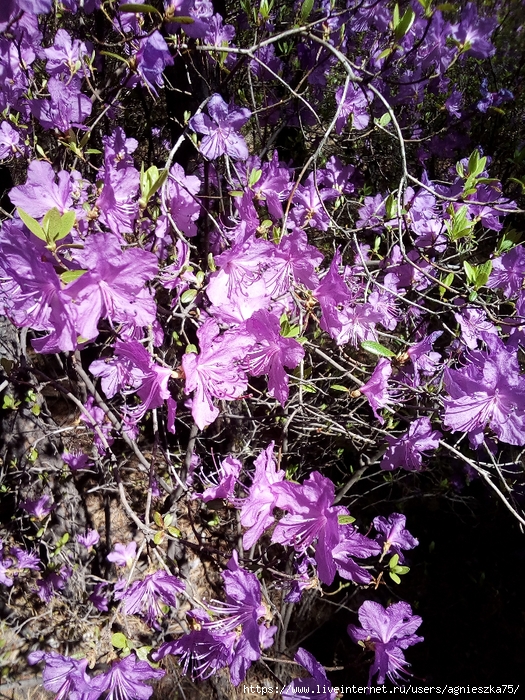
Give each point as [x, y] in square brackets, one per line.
[474, 324]
[228, 474]
[35, 7]
[308, 688]
[90, 539]
[508, 272]
[257, 508]
[490, 390]
[151, 59]
[271, 353]
[393, 535]
[376, 388]
[146, 597]
[220, 132]
[65, 108]
[123, 554]
[125, 680]
[244, 608]
[39, 507]
[64, 676]
[387, 632]
[9, 142]
[215, 372]
[202, 653]
[354, 544]
[355, 104]
[407, 451]
[311, 516]
[65, 55]
[473, 32]
[41, 193]
[76, 460]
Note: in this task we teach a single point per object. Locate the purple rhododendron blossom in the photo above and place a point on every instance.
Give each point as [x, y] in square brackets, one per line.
[125, 679]
[9, 142]
[9, 7]
[376, 388]
[243, 607]
[228, 474]
[393, 536]
[90, 539]
[40, 192]
[146, 597]
[151, 59]
[65, 55]
[271, 353]
[408, 450]
[474, 324]
[220, 131]
[113, 286]
[308, 688]
[39, 507]
[388, 631]
[215, 372]
[202, 652]
[311, 516]
[123, 554]
[353, 544]
[355, 104]
[257, 508]
[64, 676]
[508, 272]
[66, 107]
[489, 391]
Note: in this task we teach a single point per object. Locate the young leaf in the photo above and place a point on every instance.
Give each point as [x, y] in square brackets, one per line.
[32, 224]
[377, 348]
[71, 275]
[119, 641]
[137, 7]
[306, 9]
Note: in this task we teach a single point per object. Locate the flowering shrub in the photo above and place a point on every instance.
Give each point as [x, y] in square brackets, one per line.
[231, 253]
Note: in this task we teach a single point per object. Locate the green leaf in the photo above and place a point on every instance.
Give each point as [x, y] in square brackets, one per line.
[119, 641]
[32, 224]
[402, 570]
[483, 273]
[393, 561]
[448, 281]
[159, 536]
[174, 532]
[309, 388]
[345, 519]
[385, 119]
[405, 23]
[115, 55]
[35, 409]
[254, 178]
[459, 226]
[191, 348]
[395, 578]
[71, 275]
[138, 7]
[470, 272]
[142, 653]
[377, 348]
[236, 193]
[306, 9]
[509, 240]
[391, 207]
[65, 225]
[168, 519]
[339, 387]
[157, 519]
[188, 296]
